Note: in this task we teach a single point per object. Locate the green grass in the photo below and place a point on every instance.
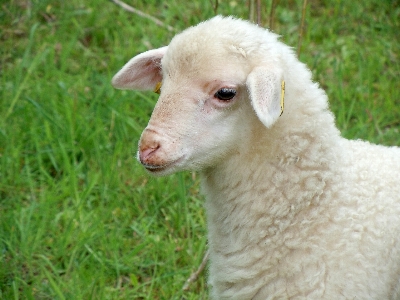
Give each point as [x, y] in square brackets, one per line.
[79, 218]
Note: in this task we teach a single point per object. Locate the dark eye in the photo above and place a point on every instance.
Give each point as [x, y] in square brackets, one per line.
[225, 94]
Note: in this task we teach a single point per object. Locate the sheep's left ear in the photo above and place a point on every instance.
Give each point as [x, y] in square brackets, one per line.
[266, 88]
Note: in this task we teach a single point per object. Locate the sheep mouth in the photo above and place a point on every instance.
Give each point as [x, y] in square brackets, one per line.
[160, 168]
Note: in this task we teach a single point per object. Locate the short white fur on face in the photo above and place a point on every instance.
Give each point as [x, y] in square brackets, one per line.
[293, 209]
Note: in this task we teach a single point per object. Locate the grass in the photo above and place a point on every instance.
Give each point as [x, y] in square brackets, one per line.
[79, 218]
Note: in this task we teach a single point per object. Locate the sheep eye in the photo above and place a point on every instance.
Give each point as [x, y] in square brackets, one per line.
[225, 94]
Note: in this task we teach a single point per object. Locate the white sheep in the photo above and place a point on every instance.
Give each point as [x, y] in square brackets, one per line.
[294, 210]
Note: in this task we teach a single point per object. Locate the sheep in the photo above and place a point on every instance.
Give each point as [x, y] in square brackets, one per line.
[294, 210]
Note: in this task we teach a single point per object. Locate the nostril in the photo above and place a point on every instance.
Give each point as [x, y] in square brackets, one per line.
[145, 153]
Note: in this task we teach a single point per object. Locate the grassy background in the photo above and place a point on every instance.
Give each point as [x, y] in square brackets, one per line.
[79, 218]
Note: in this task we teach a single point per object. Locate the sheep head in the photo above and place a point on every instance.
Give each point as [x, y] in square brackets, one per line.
[213, 80]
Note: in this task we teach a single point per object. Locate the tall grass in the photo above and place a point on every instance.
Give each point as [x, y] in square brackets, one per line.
[79, 218]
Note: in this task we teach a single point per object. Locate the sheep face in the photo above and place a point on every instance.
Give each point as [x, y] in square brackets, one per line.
[193, 123]
[208, 88]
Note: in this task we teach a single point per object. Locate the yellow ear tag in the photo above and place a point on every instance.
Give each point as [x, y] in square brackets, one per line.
[158, 88]
[282, 96]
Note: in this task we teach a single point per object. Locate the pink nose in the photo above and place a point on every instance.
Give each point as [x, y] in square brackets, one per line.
[148, 148]
[146, 153]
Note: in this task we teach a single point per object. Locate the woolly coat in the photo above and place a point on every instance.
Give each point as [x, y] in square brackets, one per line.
[294, 210]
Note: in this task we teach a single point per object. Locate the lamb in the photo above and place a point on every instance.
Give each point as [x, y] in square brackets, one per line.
[294, 210]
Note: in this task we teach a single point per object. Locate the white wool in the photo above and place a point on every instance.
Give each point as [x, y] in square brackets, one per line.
[294, 210]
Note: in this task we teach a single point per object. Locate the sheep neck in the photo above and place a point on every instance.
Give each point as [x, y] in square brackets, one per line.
[259, 192]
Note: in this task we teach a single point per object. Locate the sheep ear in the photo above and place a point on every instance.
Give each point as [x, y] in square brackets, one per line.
[266, 88]
[142, 72]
